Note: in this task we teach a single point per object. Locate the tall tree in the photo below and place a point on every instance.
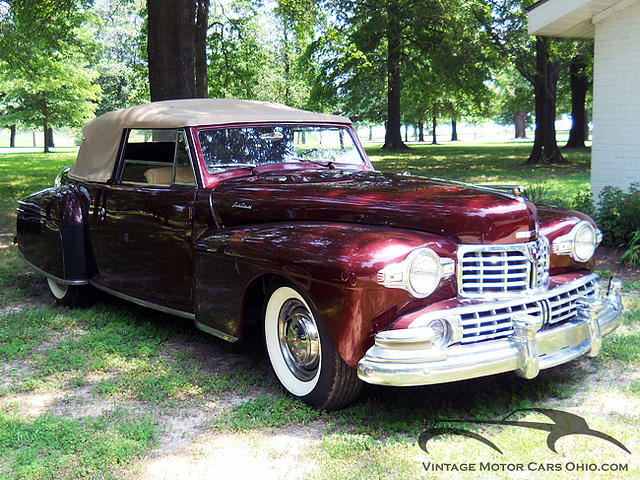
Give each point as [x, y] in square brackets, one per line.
[200, 45]
[580, 82]
[171, 48]
[539, 60]
[382, 38]
[512, 99]
[119, 28]
[47, 79]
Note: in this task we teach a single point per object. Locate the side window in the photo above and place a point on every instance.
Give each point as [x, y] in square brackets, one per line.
[148, 156]
[182, 168]
[158, 157]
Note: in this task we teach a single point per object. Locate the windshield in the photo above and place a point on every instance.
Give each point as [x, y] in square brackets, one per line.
[225, 148]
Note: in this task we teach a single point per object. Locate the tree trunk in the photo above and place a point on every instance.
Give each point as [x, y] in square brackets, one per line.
[200, 49]
[454, 131]
[434, 123]
[370, 133]
[545, 147]
[170, 48]
[406, 132]
[520, 122]
[50, 137]
[579, 88]
[33, 137]
[45, 125]
[12, 136]
[421, 131]
[392, 137]
[45, 130]
[586, 128]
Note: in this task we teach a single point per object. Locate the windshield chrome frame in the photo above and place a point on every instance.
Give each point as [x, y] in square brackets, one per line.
[212, 179]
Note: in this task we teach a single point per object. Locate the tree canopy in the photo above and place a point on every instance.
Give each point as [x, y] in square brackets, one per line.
[386, 62]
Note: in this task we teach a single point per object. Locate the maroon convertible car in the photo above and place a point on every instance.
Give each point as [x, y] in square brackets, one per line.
[245, 215]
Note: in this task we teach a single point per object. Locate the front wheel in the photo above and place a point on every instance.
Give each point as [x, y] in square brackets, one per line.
[69, 295]
[302, 354]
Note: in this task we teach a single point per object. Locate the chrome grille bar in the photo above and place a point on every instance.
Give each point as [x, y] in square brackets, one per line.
[486, 322]
[502, 270]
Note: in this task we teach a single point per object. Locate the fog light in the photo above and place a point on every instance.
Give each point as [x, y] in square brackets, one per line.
[441, 332]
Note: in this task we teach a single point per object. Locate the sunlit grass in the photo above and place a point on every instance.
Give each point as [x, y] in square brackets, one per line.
[489, 163]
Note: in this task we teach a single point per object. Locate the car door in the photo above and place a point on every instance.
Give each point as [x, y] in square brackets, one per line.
[142, 238]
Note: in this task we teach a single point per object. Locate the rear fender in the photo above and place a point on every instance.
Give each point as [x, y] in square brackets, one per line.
[51, 232]
[334, 265]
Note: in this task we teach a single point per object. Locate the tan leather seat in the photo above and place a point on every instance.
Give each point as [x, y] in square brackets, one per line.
[162, 175]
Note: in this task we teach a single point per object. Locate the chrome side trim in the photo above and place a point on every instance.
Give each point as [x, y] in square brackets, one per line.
[216, 332]
[52, 277]
[144, 303]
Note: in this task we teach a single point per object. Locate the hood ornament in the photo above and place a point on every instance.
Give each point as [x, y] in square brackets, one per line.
[519, 190]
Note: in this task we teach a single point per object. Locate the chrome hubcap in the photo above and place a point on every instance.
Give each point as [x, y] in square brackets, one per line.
[299, 342]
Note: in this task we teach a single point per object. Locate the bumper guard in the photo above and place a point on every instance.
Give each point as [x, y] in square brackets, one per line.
[400, 359]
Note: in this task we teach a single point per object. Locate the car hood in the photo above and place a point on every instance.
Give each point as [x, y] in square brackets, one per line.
[462, 213]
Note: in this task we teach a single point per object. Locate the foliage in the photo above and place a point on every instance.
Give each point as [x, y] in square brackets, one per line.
[511, 93]
[632, 254]
[46, 77]
[618, 214]
[122, 74]
[583, 202]
[246, 56]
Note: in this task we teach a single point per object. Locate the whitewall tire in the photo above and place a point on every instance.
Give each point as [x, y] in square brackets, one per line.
[302, 354]
[69, 295]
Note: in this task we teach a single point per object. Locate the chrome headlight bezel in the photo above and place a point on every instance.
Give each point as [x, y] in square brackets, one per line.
[566, 244]
[399, 275]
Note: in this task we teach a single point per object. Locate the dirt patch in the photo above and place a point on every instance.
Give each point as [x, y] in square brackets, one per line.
[256, 454]
[609, 259]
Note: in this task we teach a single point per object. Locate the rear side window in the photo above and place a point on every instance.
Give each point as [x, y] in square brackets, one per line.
[158, 157]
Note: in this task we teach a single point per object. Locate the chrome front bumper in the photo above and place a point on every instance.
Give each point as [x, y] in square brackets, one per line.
[402, 358]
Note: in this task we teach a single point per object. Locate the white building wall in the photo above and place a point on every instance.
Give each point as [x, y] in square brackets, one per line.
[616, 101]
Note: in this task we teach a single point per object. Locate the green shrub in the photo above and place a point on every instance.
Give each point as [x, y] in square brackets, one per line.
[583, 202]
[618, 214]
[542, 194]
[632, 255]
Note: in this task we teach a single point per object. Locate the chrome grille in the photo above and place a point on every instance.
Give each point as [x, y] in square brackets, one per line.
[497, 270]
[494, 323]
[482, 322]
[563, 306]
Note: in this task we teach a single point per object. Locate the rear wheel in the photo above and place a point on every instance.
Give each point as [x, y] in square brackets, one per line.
[302, 354]
[69, 295]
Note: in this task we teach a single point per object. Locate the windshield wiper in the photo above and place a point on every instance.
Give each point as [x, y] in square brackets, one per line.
[327, 163]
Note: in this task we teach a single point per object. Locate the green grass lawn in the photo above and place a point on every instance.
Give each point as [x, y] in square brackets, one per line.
[492, 164]
[93, 392]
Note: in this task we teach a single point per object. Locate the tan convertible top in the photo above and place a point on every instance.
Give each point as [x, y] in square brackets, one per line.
[101, 136]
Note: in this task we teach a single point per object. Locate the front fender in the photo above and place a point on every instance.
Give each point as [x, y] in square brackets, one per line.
[335, 265]
[555, 222]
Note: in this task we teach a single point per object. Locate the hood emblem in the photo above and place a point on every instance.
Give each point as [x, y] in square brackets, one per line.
[243, 205]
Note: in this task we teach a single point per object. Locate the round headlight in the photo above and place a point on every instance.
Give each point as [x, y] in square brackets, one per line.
[585, 242]
[425, 273]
